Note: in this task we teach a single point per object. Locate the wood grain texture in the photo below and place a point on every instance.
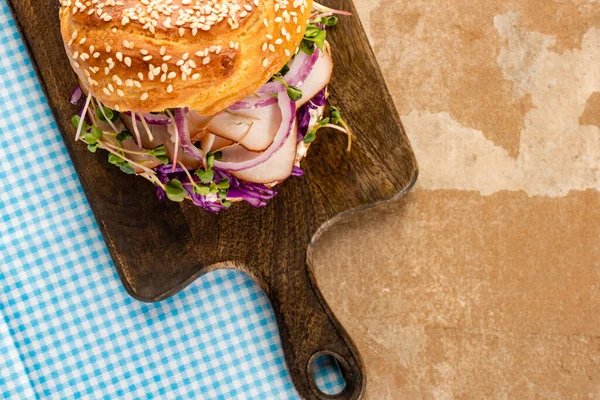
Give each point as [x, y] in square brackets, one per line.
[159, 248]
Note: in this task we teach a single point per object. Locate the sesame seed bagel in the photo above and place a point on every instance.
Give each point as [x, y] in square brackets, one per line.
[149, 55]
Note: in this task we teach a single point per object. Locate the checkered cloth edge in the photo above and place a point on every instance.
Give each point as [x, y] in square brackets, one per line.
[67, 327]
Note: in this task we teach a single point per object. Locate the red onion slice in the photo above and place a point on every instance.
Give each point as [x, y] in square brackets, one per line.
[237, 158]
[252, 102]
[184, 134]
[76, 96]
[300, 67]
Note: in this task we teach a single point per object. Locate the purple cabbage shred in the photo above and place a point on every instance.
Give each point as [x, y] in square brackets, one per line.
[303, 113]
[255, 194]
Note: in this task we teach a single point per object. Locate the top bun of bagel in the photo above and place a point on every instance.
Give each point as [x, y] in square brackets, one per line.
[149, 55]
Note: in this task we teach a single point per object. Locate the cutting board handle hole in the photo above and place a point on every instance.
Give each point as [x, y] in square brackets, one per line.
[327, 374]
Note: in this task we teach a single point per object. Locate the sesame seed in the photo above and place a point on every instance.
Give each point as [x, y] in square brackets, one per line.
[119, 56]
[108, 49]
[185, 56]
[82, 41]
[144, 96]
[144, 52]
[196, 76]
[96, 55]
[265, 62]
[206, 60]
[287, 52]
[147, 58]
[111, 87]
[279, 41]
[120, 93]
[270, 37]
[167, 58]
[105, 90]
[163, 50]
[137, 84]
[172, 75]
[264, 46]
[272, 48]
[192, 64]
[128, 61]
[169, 88]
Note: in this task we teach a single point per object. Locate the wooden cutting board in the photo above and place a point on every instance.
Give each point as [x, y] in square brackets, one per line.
[159, 248]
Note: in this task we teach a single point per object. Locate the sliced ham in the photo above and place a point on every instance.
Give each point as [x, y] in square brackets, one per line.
[319, 77]
[252, 128]
[276, 168]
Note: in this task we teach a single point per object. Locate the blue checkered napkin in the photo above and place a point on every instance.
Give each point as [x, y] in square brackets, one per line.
[67, 327]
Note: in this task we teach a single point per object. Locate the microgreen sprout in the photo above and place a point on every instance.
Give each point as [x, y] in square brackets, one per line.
[123, 136]
[105, 114]
[92, 138]
[121, 163]
[175, 191]
[335, 121]
[294, 93]
[313, 35]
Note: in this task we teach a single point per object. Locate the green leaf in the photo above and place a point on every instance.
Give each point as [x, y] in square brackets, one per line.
[175, 197]
[336, 116]
[312, 31]
[210, 160]
[313, 34]
[307, 47]
[175, 191]
[218, 156]
[163, 159]
[226, 203]
[158, 150]
[127, 168]
[284, 70]
[324, 121]
[96, 132]
[114, 159]
[112, 115]
[223, 184]
[310, 137]
[99, 114]
[222, 195]
[90, 139]
[201, 190]
[75, 120]
[92, 147]
[273, 95]
[123, 136]
[205, 176]
[330, 21]
[213, 188]
[294, 93]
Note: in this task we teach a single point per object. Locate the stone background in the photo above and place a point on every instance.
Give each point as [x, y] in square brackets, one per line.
[484, 282]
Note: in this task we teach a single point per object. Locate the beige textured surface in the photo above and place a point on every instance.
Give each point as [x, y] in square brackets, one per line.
[485, 281]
